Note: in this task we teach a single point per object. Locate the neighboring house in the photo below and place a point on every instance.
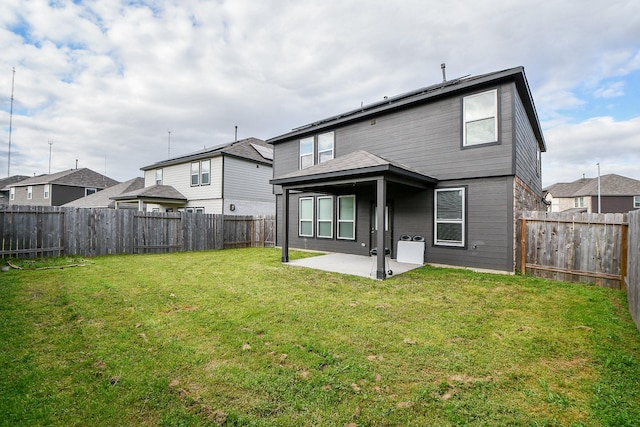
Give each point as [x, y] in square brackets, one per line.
[58, 188]
[451, 163]
[102, 199]
[4, 187]
[618, 194]
[231, 179]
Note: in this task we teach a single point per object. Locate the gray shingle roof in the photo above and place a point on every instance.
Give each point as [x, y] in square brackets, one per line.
[243, 149]
[610, 185]
[83, 177]
[6, 182]
[165, 192]
[102, 199]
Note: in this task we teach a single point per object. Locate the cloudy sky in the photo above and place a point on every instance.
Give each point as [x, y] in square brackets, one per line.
[105, 81]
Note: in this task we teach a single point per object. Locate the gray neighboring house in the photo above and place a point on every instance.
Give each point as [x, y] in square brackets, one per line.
[4, 187]
[231, 179]
[102, 199]
[451, 163]
[59, 188]
[618, 194]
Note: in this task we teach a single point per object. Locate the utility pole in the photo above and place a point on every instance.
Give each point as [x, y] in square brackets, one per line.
[13, 78]
[169, 146]
[50, 144]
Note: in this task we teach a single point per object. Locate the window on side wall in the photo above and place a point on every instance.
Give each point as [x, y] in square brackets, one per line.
[449, 228]
[195, 173]
[578, 202]
[307, 147]
[636, 201]
[159, 176]
[347, 217]
[325, 146]
[325, 217]
[480, 118]
[46, 191]
[12, 193]
[305, 217]
[88, 191]
[205, 172]
[29, 192]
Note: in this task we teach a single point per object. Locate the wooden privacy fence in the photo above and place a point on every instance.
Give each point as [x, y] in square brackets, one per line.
[575, 247]
[632, 279]
[33, 231]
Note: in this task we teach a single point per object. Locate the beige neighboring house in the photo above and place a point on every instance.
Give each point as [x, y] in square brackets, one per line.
[4, 187]
[59, 188]
[231, 179]
[102, 199]
[618, 194]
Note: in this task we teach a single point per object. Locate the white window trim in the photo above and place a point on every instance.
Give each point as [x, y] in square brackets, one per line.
[29, 192]
[461, 221]
[318, 220]
[352, 221]
[636, 201]
[12, 193]
[578, 202]
[47, 190]
[312, 154]
[331, 150]
[301, 219]
[195, 174]
[158, 176]
[90, 190]
[202, 182]
[494, 115]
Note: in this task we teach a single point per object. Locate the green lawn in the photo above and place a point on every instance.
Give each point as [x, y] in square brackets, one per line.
[234, 337]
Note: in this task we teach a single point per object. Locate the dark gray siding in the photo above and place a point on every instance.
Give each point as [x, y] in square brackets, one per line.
[427, 138]
[247, 180]
[612, 204]
[526, 148]
[61, 194]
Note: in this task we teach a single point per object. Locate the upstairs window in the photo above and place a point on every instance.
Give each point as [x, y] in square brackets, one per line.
[449, 217]
[195, 173]
[12, 193]
[88, 191]
[480, 118]
[305, 217]
[29, 192]
[158, 176]
[325, 147]
[307, 148]
[636, 201]
[578, 202]
[205, 172]
[46, 191]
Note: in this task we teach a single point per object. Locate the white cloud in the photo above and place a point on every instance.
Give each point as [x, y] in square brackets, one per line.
[611, 90]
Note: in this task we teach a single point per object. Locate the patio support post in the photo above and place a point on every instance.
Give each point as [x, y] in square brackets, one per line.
[285, 225]
[381, 202]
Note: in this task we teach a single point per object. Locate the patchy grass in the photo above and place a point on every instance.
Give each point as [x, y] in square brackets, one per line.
[236, 338]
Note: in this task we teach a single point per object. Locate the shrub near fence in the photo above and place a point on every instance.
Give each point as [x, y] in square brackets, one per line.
[32, 231]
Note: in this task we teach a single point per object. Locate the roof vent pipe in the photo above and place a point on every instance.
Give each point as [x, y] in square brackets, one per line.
[444, 74]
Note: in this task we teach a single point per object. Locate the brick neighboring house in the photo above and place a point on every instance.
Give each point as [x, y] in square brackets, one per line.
[618, 194]
[58, 188]
[451, 163]
[231, 179]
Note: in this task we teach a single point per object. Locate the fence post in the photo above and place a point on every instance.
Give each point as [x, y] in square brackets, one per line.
[523, 245]
[624, 229]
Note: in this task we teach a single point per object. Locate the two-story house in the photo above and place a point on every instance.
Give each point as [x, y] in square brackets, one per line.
[616, 194]
[4, 187]
[449, 164]
[56, 189]
[231, 179]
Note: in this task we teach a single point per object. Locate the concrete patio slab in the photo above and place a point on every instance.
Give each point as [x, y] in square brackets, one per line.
[357, 265]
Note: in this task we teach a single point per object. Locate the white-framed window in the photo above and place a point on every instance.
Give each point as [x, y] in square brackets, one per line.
[480, 118]
[636, 201]
[578, 202]
[325, 217]
[305, 216]
[195, 173]
[347, 217]
[205, 172]
[449, 224]
[88, 191]
[159, 176]
[325, 146]
[47, 188]
[200, 210]
[307, 148]
[29, 192]
[12, 193]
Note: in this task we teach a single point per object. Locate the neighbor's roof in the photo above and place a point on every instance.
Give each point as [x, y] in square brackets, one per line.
[6, 182]
[610, 185]
[162, 192]
[425, 95]
[102, 199]
[357, 164]
[83, 177]
[253, 149]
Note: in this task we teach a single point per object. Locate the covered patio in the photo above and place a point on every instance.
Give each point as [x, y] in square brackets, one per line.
[356, 265]
[356, 168]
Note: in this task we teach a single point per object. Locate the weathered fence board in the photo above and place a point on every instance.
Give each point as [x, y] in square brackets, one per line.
[32, 231]
[632, 278]
[575, 247]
